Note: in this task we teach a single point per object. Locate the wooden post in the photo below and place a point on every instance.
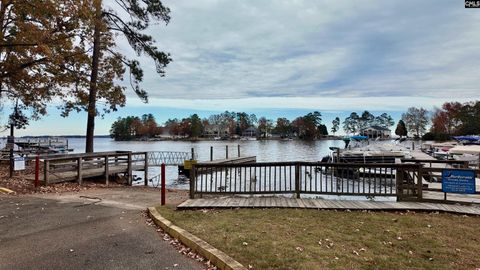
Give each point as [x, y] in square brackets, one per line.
[226, 151]
[79, 170]
[145, 176]
[129, 168]
[163, 176]
[420, 182]
[37, 171]
[238, 150]
[193, 154]
[297, 180]
[413, 145]
[107, 170]
[399, 183]
[211, 153]
[193, 178]
[45, 171]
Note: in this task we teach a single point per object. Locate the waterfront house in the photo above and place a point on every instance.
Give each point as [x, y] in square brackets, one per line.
[216, 131]
[250, 132]
[376, 132]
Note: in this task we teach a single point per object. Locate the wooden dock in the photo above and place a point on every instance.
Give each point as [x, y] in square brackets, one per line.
[284, 202]
[232, 160]
[76, 167]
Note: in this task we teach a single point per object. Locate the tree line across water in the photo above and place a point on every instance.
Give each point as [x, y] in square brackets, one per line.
[452, 118]
[228, 124]
[440, 124]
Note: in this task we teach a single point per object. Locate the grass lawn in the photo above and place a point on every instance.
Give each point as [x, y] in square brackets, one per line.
[313, 239]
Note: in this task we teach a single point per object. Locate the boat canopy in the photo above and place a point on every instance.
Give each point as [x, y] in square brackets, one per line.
[359, 137]
[471, 138]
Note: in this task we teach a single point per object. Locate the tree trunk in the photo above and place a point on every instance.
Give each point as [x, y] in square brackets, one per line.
[92, 98]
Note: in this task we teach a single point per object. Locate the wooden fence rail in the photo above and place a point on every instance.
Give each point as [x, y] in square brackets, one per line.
[79, 166]
[298, 178]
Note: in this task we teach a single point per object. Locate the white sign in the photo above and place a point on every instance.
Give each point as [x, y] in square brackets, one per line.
[19, 164]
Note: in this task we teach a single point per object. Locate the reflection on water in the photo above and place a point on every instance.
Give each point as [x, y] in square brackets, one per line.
[265, 151]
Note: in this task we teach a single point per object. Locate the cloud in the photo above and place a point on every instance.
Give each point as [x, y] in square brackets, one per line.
[316, 49]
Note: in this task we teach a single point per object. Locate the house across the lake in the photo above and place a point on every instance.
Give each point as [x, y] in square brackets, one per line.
[250, 132]
[376, 132]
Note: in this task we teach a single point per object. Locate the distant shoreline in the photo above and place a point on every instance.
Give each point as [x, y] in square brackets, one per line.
[62, 136]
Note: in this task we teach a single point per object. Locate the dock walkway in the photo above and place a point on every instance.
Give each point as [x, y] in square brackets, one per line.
[232, 160]
[283, 202]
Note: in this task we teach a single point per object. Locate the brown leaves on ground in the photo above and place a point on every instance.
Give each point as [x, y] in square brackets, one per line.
[22, 182]
[179, 246]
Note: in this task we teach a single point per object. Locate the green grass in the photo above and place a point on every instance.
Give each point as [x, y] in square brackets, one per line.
[313, 239]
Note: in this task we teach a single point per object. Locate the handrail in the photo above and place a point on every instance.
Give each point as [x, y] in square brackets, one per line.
[361, 179]
[432, 161]
[304, 163]
[88, 155]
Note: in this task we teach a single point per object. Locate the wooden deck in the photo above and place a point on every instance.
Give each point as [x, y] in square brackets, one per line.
[232, 160]
[283, 202]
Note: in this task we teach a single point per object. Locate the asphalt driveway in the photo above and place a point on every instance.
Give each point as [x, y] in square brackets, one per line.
[42, 233]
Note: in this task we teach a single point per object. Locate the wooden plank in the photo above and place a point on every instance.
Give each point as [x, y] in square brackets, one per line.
[251, 201]
[243, 202]
[269, 202]
[255, 201]
[308, 203]
[318, 204]
[234, 202]
[289, 202]
[300, 203]
[282, 203]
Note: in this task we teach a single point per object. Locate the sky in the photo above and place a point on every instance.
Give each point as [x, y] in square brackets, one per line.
[288, 58]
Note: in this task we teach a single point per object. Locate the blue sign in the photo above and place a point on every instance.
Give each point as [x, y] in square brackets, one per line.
[458, 181]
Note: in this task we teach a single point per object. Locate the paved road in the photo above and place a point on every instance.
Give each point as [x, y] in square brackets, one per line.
[41, 233]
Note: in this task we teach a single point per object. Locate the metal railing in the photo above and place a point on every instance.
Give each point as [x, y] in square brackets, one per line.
[297, 178]
[168, 157]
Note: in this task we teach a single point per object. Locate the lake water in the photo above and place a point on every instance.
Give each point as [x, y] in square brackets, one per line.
[265, 151]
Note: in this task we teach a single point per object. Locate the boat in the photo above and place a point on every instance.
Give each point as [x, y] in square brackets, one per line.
[468, 153]
[468, 140]
[357, 139]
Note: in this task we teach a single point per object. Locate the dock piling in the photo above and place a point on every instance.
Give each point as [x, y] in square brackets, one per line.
[145, 176]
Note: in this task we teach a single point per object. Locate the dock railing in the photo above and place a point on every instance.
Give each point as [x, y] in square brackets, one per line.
[296, 178]
[432, 171]
[78, 166]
